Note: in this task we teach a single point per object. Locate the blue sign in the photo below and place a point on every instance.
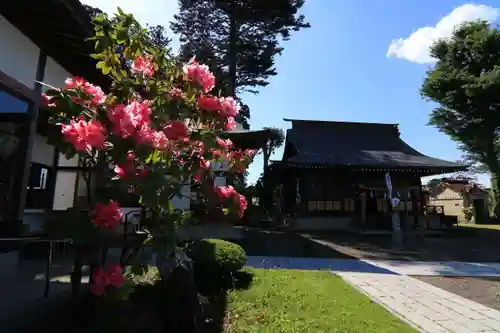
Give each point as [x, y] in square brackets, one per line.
[12, 104]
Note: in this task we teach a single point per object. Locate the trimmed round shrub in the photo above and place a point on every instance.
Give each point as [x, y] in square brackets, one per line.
[215, 262]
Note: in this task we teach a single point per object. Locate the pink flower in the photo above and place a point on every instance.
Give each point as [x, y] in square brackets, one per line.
[199, 74]
[96, 92]
[241, 202]
[229, 124]
[128, 119]
[107, 216]
[175, 93]
[176, 129]
[99, 282]
[101, 278]
[143, 64]
[229, 106]
[48, 100]
[75, 83]
[224, 143]
[160, 140]
[84, 135]
[224, 192]
[209, 103]
[98, 96]
[115, 275]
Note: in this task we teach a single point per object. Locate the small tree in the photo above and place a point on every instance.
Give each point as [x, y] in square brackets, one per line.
[466, 84]
[156, 131]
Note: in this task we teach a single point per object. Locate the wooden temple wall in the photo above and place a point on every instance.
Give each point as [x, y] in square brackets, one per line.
[340, 199]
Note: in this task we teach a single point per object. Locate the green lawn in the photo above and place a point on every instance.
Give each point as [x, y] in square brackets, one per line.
[306, 301]
[480, 226]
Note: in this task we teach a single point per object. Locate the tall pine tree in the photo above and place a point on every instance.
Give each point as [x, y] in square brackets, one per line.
[238, 39]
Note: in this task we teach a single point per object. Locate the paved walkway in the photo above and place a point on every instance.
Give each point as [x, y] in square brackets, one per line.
[428, 308]
[448, 268]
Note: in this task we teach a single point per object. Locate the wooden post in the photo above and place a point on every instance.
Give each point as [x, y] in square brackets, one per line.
[363, 209]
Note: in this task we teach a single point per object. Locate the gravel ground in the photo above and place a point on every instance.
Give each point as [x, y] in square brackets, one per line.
[482, 290]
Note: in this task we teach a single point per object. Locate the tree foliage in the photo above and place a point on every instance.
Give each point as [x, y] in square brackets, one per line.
[465, 82]
[274, 141]
[238, 39]
[156, 34]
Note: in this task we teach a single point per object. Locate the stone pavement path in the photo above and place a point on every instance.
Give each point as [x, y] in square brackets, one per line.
[447, 268]
[428, 308]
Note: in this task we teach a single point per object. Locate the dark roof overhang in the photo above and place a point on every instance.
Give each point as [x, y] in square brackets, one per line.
[357, 146]
[247, 139]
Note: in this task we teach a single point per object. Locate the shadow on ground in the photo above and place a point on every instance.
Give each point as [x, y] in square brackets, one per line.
[456, 244]
[261, 242]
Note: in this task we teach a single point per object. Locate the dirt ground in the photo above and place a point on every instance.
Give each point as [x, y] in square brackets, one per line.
[483, 290]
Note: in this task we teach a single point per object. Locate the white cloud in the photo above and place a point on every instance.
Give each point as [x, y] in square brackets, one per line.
[152, 12]
[415, 48]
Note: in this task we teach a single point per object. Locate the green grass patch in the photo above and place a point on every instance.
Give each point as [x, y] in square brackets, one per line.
[306, 301]
[480, 226]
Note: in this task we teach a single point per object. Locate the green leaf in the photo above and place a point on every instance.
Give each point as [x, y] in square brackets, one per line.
[103, 67]
[121, 35]
[97, 56]
[120, 11]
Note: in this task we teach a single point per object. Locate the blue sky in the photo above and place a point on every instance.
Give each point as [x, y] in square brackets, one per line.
[340, 68]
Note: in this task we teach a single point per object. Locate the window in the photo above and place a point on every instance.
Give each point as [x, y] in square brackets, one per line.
[38, 194]
[12, 104]
[347, 205]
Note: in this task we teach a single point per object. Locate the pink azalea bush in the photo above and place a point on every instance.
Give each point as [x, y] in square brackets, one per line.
[157, 128]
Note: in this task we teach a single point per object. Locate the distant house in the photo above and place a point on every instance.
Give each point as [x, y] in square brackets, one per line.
[459, 197]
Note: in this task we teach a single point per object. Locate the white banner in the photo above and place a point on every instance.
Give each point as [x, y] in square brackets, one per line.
[388, 183]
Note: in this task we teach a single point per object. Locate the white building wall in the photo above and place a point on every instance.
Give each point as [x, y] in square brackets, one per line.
[18, 54]
[42, 152]
[55, 75]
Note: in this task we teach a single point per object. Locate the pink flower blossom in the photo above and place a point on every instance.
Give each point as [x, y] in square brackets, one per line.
[229, 106]
[115, 275]
[176, 93]
[96, 92]
[209, 103]
[227, 144]
[229, 124]
[75, 83]
[84, 135]
[107, 215]
[224, 192]
[241, 202]
[175, 129]
[199, 74]
[129, 119]
[48, 100]
[99, 280]
[98, 96]
[143, 64]
[160, 140]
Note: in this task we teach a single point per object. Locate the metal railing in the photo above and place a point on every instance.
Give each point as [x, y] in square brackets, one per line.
[50, 254]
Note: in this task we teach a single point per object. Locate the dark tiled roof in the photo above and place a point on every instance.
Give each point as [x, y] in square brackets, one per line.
[249, 139]
[356, 144]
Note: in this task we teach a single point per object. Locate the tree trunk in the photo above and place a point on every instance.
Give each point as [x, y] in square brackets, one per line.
[232, 57]
[495, 188]
[267, 193]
